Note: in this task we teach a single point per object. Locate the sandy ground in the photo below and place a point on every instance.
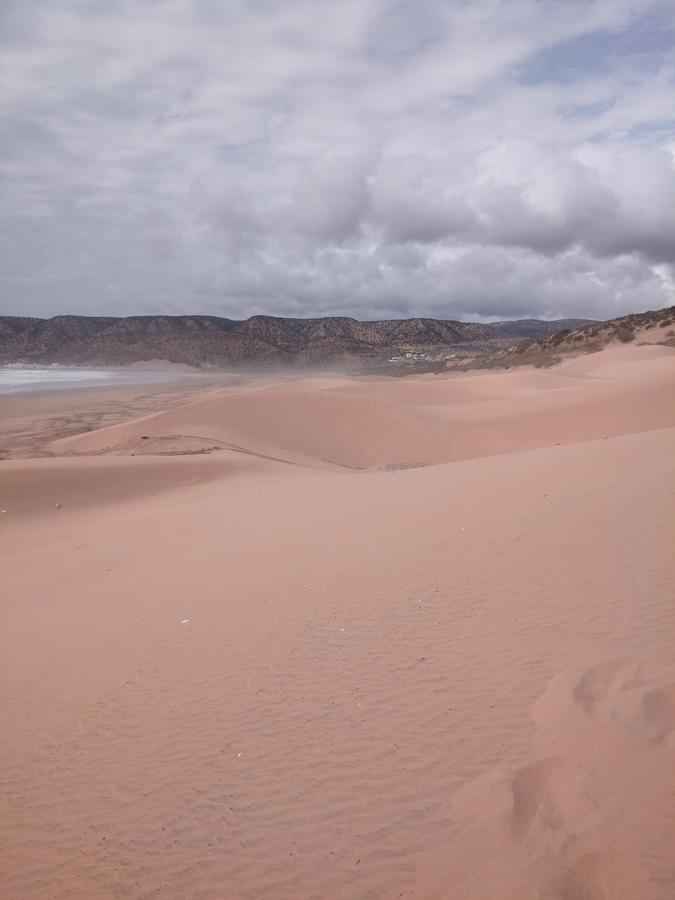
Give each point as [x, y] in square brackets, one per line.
[341, 637]
[29, 422]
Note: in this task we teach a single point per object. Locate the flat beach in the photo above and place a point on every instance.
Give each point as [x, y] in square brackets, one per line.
[343, 637]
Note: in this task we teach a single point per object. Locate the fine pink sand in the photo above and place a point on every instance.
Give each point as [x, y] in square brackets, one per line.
[338, 637]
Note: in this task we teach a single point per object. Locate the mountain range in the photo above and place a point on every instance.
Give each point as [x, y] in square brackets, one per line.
[264, 341]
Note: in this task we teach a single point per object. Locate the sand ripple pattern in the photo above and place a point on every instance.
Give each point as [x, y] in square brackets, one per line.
[301, 682]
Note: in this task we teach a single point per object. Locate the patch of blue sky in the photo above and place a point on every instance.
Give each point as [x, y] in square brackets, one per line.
[655, 128]
[586, 110]
[599, 53]
[648, 132]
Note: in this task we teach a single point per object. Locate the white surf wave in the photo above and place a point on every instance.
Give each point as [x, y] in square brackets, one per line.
[23, 377]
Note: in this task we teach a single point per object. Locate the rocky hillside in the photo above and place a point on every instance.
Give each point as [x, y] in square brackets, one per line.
[540, 328]
[654, 326]
[259, 341]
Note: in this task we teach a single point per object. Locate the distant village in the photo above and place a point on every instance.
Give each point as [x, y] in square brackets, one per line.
[425, 356]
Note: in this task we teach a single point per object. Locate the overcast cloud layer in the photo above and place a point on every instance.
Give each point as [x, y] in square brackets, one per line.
[454, 158]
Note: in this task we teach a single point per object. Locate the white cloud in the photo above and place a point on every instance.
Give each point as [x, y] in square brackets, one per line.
[369, 157]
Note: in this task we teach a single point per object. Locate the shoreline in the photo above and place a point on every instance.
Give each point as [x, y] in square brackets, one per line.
[100, 377]
[30, 420]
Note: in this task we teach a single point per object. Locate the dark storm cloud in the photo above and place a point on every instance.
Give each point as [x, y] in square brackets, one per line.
[376, 158]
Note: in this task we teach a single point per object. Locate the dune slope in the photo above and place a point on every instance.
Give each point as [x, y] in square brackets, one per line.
[240, 678]
[369, 423]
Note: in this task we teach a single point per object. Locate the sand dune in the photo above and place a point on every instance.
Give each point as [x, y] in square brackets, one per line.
[47, 486]
[258, 672]
[577, 821]
[374, 423]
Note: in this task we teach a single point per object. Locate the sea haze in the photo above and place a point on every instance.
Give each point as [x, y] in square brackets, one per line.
[26, 378]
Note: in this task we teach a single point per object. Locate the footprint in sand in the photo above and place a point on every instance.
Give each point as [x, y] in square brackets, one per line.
[604, 680]
[616, 690]
[550, 794]
[658, 706]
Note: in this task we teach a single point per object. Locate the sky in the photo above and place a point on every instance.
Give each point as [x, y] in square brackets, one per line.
[461, 159]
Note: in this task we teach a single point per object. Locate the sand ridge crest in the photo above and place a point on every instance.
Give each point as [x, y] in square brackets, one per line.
[371, 424]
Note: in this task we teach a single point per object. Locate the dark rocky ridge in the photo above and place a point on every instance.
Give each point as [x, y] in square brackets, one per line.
[263, 341]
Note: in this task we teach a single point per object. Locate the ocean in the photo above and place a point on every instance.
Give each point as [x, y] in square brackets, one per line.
[19, 378]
